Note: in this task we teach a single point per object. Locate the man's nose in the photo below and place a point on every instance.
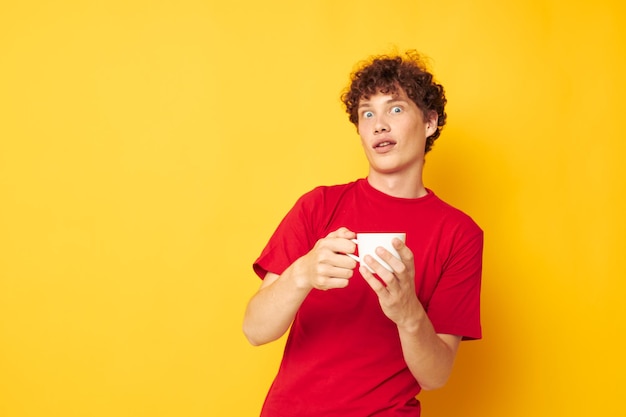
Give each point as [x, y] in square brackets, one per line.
[381, 125]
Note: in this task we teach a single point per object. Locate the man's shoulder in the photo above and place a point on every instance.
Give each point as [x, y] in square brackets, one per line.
[336, 188]
[330, 192]
[453, 214]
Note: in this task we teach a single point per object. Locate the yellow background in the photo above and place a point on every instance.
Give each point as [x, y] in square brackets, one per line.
[149, 148]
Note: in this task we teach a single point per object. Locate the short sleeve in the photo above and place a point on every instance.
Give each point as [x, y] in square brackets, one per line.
[455, 305]
[293, 238]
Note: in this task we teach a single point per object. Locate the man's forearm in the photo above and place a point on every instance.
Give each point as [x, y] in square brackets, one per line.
[429, 356]
[272, 309]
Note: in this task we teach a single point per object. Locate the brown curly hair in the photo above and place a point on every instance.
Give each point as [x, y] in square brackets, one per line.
[386, 74]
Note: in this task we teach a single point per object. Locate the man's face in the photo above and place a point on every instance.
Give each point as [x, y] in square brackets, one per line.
[393, 133]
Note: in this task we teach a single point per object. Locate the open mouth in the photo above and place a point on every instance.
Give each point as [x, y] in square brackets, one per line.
[384, 144]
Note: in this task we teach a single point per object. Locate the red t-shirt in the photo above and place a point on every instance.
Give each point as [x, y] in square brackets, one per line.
[343, 355]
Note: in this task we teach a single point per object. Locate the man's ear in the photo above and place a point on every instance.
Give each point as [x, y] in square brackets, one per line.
[431, 123]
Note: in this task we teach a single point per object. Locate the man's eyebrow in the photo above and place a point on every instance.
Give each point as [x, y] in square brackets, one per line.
[390, 101]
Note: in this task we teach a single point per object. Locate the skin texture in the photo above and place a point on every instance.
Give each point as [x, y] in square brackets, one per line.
[395, 169]
[393, 133]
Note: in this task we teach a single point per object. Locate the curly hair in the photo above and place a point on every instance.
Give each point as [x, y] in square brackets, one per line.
[387, 74]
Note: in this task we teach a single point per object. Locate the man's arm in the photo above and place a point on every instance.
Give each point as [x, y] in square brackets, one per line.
[272, 309]
[429, 356]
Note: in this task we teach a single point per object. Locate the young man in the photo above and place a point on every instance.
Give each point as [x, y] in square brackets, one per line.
[364, 344]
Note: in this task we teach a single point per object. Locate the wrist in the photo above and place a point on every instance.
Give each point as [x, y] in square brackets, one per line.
[413, 322]
[299, 277]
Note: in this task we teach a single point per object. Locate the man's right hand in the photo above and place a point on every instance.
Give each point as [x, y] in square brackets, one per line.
[272, 309]
[327, 266]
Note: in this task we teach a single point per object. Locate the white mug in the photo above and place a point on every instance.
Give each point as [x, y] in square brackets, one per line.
[368, 242]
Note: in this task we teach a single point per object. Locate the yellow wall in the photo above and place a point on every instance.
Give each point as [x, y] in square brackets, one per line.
[148, 149]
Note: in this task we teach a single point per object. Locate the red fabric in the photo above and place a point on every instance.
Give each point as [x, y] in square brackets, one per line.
[343, 355]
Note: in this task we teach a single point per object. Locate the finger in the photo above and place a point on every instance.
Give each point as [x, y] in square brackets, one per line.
[344, 261]
[336, 271]
[332, 277]
[340, 245]
[372, 281]
[332, 283]
[403, 250]
[383, 273]
[342, 232]
[344, 246]
[396, 264]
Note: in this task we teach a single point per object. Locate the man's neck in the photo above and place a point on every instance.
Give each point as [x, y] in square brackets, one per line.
[400, 185]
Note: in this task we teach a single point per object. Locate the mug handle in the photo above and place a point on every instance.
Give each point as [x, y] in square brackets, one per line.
[353, 256]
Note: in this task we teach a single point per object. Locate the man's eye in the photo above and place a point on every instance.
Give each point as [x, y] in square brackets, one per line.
[367, 114]
[396, 109]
